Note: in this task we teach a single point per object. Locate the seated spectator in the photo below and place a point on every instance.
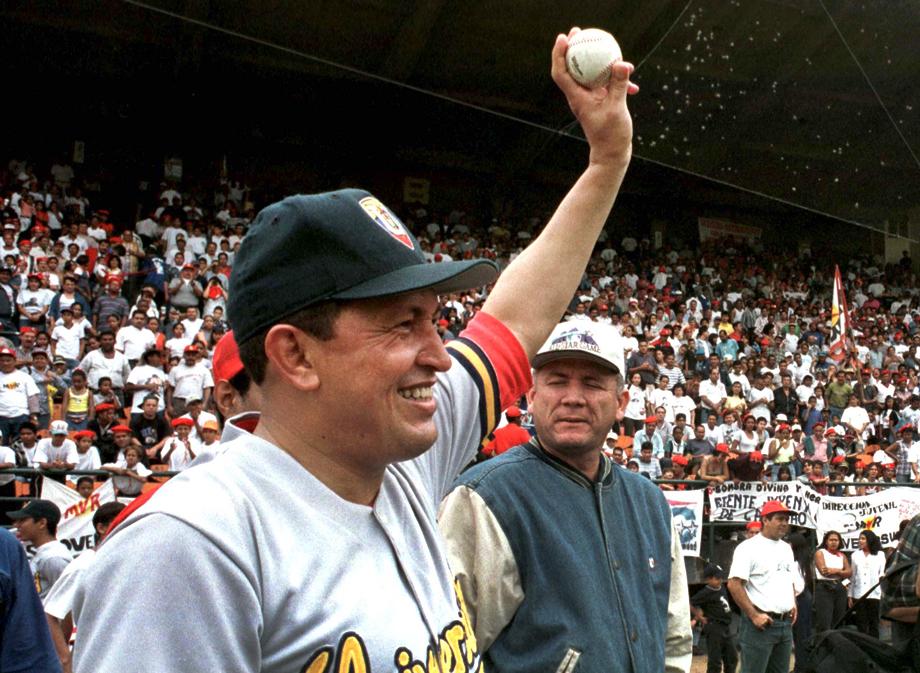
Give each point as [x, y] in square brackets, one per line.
[129, 473]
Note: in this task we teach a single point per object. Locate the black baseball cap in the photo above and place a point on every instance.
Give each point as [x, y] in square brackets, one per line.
[340, 245]
[713, 570]
[38, 509]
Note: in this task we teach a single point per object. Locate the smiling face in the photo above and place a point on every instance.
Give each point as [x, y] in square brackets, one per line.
[384, 355]
[574, 403]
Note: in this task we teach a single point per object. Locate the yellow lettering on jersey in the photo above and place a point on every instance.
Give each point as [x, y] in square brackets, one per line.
[319, 662]
[352, 656]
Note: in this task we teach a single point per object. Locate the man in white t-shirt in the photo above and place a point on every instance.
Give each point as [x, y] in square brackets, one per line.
[57, 452]
[134, 338]
[67, 338]
[147, 378]
[761, 397]
[763, 581]
[19, 396]
[189, 379]
[198, 416]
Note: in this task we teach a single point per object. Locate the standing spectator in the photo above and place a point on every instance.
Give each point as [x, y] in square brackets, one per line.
[19, 396]
[133, 339]
[34, 302]
[146, 379]
[110, 304]
[189, 379]
[107, 362]
[103, 425]
[831, 568]
[868, 563]
[642, 362]
[25, 644]
[904, 455]
[761, 398]
[712, 396]
[9, 311]
[711, 609]
[184, 291]
[637, 407]
[44, 376]
[837, 395]
[36, 524]
[763, 583]
[68, 339]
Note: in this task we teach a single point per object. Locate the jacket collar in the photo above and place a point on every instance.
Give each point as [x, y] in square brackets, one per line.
[604, 475]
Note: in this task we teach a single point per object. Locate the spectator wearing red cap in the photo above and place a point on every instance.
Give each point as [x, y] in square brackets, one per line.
[648, 434]
[87, 454]
[188, 379]
[746, 467]
[180, 449]
[510, 434]
[103, 425]
[763, 581]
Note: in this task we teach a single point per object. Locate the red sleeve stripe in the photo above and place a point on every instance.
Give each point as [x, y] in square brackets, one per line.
[502, 349]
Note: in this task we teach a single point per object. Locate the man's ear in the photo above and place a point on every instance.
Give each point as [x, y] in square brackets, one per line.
[290, 353]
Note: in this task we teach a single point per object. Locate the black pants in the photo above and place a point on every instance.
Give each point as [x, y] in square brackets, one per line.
[830, 604]
[866, 617]
[720, 648]
[802, 629]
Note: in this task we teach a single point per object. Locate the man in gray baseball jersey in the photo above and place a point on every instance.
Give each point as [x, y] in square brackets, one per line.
[311, 544]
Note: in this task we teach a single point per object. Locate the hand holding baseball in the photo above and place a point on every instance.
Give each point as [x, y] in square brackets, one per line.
[602, 110]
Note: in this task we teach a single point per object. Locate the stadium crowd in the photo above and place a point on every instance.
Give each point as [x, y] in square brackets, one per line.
[110, 326]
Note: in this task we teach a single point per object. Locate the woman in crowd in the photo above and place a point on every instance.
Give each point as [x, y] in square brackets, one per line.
[831, 568]
[889, 417]
[868, 567]
[746, 439]
[637, 407]
[735, 401]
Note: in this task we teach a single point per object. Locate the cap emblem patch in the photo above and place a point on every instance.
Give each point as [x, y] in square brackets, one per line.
[386, 220]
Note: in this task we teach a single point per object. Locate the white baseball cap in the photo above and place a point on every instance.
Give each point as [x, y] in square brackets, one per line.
[581, 340]
[59, 427]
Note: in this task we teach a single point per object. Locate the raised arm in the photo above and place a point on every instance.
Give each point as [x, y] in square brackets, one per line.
[563, 248]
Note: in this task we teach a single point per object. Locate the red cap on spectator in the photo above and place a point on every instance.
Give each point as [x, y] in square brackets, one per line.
[191, 348]
[35, 276]
[8, 351]
[443, 323]
[819, 424]
[176, 422]
[25, 241]
[651, 419]
[26, 330]
[680, 460]
[782, 426]
[754, 525]
[909, 428]
[722, 447]
[836, 460]
[773, 507]
[120, 429]
[756, 456]
[104, 406]
[226, 362]
[84, 433]
[513, 412]
[830, 433]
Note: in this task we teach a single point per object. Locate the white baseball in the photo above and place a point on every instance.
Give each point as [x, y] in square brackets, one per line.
[590, 55]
